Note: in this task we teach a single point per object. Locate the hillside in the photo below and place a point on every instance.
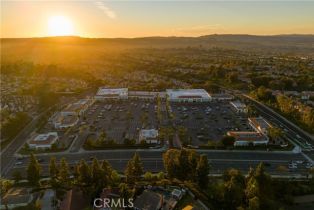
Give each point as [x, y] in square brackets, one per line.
[75, 49]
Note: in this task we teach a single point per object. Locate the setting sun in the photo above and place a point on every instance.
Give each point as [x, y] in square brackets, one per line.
[60, 26]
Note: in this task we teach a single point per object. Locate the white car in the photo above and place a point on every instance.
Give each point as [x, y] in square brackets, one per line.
[292, 166]
[308, 165]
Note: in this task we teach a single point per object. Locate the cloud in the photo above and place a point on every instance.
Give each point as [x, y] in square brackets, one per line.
[200, 30]
[109, 12]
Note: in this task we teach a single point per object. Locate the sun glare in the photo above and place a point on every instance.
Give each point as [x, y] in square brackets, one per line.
[60, 26]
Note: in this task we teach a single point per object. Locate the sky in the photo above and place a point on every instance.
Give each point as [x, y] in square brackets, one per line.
[154, 18]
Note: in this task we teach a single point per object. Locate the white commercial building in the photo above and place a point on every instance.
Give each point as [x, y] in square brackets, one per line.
[77, 108]
[259, 124]
[245, 138]
[239, 107]
[147, 95]
[111, 93]
[62, 121]
[69, 116]
[43, 141]
[150, 136]
[222, 97]
[188, 95]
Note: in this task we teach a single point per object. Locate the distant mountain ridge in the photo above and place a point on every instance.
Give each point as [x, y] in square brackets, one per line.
[211, 36]
[293, 39]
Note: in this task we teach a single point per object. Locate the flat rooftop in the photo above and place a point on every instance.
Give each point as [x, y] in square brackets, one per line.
[65, 120]
[46, 138]
[111, 91]
[188, 93]
[149, 133]
[247, 136]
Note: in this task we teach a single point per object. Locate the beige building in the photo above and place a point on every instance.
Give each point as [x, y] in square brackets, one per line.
[150, 136]
[43, 141]
[245, 138]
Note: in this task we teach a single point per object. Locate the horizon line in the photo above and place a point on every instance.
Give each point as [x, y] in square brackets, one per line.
[157, 36]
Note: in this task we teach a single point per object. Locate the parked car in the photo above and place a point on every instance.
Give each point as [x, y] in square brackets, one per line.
[308, 165]
[18, 163]
[292, 166]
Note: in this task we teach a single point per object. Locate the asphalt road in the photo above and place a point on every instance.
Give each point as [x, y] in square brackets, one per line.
[152, 160]
[7, 154]
[293, 128]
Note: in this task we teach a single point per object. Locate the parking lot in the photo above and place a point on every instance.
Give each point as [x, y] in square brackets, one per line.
[121, 119]
[208, 121]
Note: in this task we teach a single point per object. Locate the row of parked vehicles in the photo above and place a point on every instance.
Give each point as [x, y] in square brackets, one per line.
[295, 164]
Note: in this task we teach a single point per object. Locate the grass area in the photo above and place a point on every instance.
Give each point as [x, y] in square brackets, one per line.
[266, 148]
[23, 151]
[255, 148]
[4, 144]
[116, 146]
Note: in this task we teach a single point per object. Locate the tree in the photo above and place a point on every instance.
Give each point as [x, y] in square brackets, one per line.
[232, 77]
[254, 204]
[46, 98]
[115, 178]
[233, 194]
[259, 185]
[100, 177]
[134, 169]
[264, 94]
[127, 141]
[54, 146]
[193, 163]
[106, 166]
[160, 175]
[182, 132]
[83, 176]
[228, 141]
[125, 193]
[170, 162]
[33, 171]
[107, 172]
[184, 164]
[148, 176]
[64, 174]
[285, 104]
[54, 180]
[11, 125]
[5, 185]
[53, 170]
[211, 87]
[103, 135]
[275, 133]
[17, 176]
[202, 171]
[181, 164]
[260, 80]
